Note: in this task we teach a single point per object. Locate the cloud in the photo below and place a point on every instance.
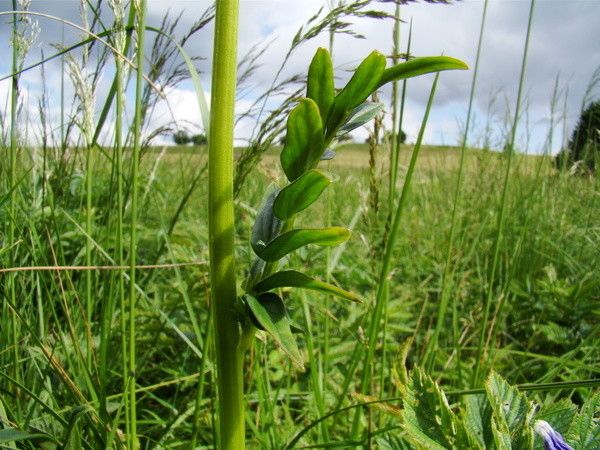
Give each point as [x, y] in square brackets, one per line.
[563, 43]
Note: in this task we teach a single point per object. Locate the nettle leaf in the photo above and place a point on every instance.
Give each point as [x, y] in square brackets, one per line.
[511, 413]
[584, 432]
[300, 194]
[427, 418]
[304, 139]
[292, 240]
[269, 311]
[362, 84]
[319, 86]
[477, 417]
[420, 66]
[266, 225]
[291, 278]
[361, 115]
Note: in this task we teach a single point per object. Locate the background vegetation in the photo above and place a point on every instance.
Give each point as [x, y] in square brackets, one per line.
[72, 236]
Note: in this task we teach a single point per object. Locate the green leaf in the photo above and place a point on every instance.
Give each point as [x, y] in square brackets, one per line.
[361, 115]
[362, 84]
[320, 82]
[13, 435]
[477, 416]
[266, 225]
[304, 139]
[511, 413]
[420, 66]
[269, 311]
[300, 194]
[427, 418]
[584, 432]
[291, 278]
[292, 240]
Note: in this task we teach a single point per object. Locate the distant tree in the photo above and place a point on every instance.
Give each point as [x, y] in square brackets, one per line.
[181, 137]
[400, 136]
[199, 139]
[584, 146]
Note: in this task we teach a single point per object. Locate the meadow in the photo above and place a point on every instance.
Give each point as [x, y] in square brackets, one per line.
[106, 330]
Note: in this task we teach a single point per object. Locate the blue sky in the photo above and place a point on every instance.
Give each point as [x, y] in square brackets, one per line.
[564, 43]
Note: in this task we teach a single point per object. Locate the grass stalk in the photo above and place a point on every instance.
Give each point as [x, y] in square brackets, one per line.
[476, 378]
[12, 179]
[229, 342]
[446, 285]
[375, 322]
[140, 5]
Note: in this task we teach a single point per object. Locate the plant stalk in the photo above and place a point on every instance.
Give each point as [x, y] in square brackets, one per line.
[229, 342]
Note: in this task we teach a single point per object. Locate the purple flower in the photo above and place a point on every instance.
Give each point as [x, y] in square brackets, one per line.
[552, 438]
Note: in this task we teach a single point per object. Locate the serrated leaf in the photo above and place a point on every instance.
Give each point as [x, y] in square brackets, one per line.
[266, 225]
[291, 278]
[361, 115]
[420, 66]
[510, 414]
[292, 240]
[584, 432]
[269, 311]
[362, 84]
[319, 86]
[304, 139]
[300, 194]
[477, 417]
[428, 420]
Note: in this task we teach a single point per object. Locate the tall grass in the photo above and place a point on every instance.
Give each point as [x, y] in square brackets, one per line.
[106, 313]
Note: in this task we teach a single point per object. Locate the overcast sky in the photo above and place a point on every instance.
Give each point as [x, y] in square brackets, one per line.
[565, 42]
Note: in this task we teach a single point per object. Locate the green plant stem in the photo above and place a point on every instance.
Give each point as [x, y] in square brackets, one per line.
[229, 339]
[394, 145]
[375, 323]
[475, 380]
[135, 159]
[446, 285]
[14, 96]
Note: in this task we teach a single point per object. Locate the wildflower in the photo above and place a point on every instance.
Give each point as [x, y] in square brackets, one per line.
[552, 438]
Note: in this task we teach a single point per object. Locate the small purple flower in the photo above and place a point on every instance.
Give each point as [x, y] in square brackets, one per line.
[552, 438]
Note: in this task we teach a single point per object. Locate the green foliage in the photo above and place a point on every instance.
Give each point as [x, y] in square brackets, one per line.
[291, 278]
[501, 419]
[270, 315]
[199, 139]
[312, 124]
[292, 240]
[300, 194]
[181, 137]
[584, 144]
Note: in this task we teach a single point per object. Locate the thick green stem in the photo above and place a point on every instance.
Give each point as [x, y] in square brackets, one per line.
[229, 342]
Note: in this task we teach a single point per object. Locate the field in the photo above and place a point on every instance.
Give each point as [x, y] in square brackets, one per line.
[304, 290]
[543, 326]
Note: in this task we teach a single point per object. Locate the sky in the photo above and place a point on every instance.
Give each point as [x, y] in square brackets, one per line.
[563, 51]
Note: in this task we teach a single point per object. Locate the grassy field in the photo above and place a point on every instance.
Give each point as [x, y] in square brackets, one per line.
[117, 332]
[543, 327]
